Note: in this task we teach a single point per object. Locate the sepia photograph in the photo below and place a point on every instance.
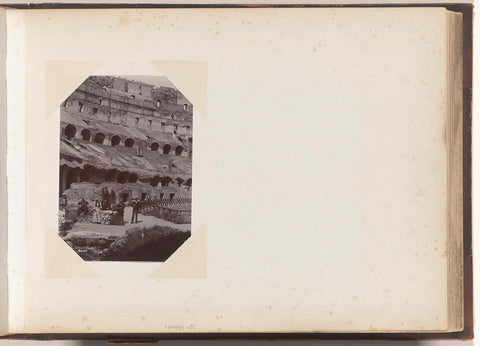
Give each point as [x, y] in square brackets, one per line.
[125, 178]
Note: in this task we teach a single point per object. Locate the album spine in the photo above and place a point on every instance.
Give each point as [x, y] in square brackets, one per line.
[3, 177]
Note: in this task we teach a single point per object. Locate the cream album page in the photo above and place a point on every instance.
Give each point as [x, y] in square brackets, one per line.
[227, 170]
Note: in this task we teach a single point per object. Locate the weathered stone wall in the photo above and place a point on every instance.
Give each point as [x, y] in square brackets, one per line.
[172, 215]
[126, 114]
[97, 99]
[161, 242]
[116, 103]
[182, 100]
[90, 191]
[104, 98]
[133, 87]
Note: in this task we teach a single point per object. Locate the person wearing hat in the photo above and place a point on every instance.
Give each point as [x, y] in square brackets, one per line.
[135, 209]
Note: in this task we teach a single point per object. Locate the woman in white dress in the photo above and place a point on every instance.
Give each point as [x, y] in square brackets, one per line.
[96, 211]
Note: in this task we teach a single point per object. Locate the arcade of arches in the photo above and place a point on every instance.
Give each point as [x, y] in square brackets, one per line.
[70, 132]
[69, 175]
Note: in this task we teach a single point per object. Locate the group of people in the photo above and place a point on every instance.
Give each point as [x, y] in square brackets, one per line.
[118, 209]
[116, 215]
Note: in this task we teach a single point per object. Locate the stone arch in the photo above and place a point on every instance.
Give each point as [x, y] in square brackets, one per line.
[188, 183]
[155, 181]
[166, 149]
[122, 178]
[99, 138]
[129, 142]
[86, 135]
[154, 146]
[84, 175]
[71, 177]
[115, 140]
[70, 131]
[165, 181]
[110, 175]
[124, 196]
[178, 150]
[133, 178]
[113, 197]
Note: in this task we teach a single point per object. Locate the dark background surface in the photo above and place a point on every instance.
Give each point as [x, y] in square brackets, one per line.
[297, 339]
[250, 342]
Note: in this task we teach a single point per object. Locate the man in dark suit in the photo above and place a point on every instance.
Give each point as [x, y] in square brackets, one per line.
[135, 209]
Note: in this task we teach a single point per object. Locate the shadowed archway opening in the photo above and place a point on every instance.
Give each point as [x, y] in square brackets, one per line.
[165, 181]
[84, 174]
[129, 142]
[99, 138]
[188, 183]
[115, 140]
[70, 131]
[178, 150]
[167, 148]
[122, 177]
[86, 135]
[133, 178]
[110, 175]
[71, 178]
[155, 181]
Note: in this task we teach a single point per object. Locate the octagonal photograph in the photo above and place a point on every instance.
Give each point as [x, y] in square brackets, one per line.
[125, 169]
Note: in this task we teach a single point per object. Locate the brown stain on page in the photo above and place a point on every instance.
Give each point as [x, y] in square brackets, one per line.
[124, 19]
